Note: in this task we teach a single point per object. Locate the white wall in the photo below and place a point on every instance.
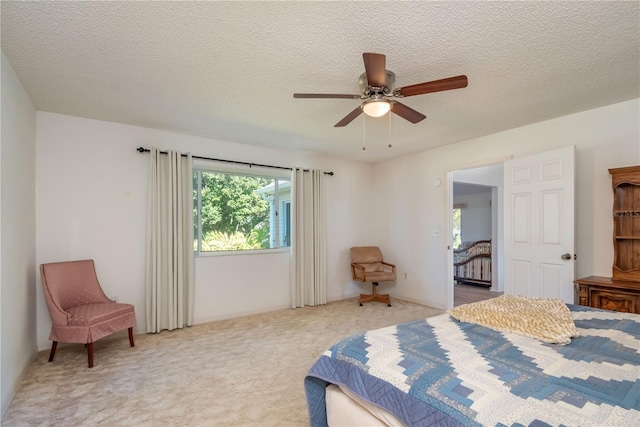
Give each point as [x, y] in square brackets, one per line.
[604, 138]
[488, 176]
[475, 218]
[17, 228]
[91, 197]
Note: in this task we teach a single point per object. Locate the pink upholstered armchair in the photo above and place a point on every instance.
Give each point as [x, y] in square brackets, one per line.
[367, 265]
[80, 311]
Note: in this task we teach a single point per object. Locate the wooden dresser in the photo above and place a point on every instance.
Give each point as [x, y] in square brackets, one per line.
[622, 291]
[609, 294]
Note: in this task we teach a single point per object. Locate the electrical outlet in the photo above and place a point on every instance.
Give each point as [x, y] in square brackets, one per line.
[405, 275]
[114, 298]
[436, 233]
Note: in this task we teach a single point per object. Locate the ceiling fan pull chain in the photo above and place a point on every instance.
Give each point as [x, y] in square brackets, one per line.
[364, 133]
[389, 130]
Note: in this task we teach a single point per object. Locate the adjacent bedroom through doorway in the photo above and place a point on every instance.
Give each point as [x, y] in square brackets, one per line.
[474, 227]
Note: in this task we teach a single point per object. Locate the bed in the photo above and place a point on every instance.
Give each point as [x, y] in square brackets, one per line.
[446, 372]
[472, 263]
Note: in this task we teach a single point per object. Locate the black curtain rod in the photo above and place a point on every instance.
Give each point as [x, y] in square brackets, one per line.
[146, 150]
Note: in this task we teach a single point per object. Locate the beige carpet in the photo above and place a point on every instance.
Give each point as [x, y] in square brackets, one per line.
[247, 371]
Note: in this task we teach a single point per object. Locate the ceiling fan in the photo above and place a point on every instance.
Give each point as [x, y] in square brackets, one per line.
[376, 85]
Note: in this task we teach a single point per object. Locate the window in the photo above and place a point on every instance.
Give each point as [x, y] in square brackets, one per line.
[234, 212]
[286, 223]
[457, 227]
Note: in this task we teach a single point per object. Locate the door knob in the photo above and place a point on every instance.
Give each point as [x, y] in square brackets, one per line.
[566, 257]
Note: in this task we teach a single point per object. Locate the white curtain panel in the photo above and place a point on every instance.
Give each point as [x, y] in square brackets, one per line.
[308, 239]
[169, 275]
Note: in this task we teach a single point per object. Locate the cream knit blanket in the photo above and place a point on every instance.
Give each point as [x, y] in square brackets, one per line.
[548, 320]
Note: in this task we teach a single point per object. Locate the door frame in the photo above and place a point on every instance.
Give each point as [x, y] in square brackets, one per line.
[448, 213]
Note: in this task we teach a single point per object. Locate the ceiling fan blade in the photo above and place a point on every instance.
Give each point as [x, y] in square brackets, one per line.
[349, 118]
[434, 86]
[407, 113]
[375, 67]
[325, 95]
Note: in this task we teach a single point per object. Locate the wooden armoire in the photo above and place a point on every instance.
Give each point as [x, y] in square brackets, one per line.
[621, 292]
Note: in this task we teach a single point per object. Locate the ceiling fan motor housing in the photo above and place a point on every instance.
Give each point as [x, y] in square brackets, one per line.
[371, 90]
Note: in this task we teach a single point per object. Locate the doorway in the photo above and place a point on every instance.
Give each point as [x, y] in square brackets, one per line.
[538, 205]
[476, 234]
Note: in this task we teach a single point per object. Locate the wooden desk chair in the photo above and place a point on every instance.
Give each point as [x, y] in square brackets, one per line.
[367, 265]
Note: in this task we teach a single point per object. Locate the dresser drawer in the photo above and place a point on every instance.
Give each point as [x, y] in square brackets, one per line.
[608, 294]
[614, 300]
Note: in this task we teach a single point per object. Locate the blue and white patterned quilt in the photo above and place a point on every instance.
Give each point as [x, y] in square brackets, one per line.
[440, 371]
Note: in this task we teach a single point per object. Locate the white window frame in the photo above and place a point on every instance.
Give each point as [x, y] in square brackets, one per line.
[214, 167]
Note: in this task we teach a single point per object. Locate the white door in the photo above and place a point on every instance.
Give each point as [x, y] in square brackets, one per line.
[538, 229]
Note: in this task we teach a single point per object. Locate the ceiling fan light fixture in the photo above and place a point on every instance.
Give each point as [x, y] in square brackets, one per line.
[376, 107]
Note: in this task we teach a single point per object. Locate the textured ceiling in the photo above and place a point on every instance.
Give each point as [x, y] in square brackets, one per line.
[228, 70]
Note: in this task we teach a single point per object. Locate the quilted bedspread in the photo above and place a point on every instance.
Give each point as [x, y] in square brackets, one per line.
[440, 371]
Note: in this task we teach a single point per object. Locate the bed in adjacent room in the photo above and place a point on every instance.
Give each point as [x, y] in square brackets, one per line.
[472, 263]
[558, 365]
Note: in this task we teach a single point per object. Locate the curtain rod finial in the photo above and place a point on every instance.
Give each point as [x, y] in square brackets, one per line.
[141, 150]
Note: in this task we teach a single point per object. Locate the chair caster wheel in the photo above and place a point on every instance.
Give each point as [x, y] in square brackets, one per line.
[388, 305]
[360, 304]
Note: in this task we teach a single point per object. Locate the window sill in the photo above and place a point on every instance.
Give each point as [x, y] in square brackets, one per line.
[243, 252]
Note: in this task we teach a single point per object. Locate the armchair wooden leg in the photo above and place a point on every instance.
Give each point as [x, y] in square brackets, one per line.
[131, 337]
[90, 354]
[54, 346]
